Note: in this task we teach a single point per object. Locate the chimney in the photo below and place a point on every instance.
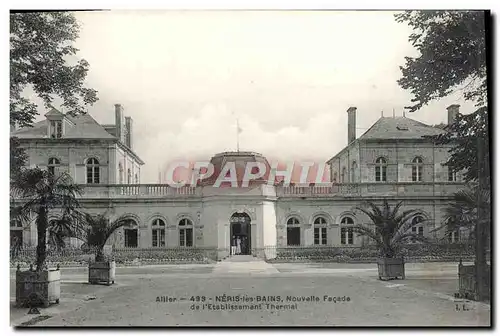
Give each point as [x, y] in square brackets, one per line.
[128, 136]
[119, 121]
[453, 111]
[351, 124]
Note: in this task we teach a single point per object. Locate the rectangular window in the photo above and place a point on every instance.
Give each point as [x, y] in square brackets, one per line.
[381, 174]
[93, 174]
[186, 237]
[419, 230]
[452, 175]
[155, 238]
[162, 238]
[293, 236]
[416, 174]
[454, 236]
[350, 236]
[182, 237]
[320, 236]
[56, 129]
[130, 237]
[16, 238]
[346, 236]
[159, 238]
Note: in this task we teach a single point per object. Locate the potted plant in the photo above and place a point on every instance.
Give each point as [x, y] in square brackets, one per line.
[98, 229]
[391, 231]
[35, 193]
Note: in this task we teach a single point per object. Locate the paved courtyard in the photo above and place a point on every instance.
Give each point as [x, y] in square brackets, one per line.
[250, 292]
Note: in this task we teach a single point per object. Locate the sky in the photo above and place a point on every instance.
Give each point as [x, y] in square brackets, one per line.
[288, 76]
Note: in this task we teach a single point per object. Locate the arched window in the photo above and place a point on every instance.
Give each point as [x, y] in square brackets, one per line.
[334, 177]
[92, 170]
[416, 227]
[416, 169]
[158, 227]
[185, 232]
[129, 176]
[354, 166]
[293, 231]
[346, 232]
[120, 172]
[53, 165]
[343, 175]
[320, 231]
[380, 170]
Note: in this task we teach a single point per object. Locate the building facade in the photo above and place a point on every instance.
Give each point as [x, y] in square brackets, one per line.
[392, 160]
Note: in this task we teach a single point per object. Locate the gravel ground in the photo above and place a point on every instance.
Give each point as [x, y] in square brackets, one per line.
[357, 298]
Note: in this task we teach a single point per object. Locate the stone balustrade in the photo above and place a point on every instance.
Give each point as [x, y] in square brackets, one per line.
[371, 190]
[131, 191]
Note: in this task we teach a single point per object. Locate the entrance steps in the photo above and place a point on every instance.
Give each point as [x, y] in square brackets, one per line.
[244, 264]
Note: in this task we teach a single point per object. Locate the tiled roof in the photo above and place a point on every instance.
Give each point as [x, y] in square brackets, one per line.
[399, 128]
[85, 127]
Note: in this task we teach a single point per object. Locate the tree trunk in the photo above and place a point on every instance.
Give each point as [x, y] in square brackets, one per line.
[99, 256]
[480, 236]
[41, 249]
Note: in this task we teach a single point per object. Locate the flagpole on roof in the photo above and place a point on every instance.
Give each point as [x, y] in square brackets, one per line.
[237, 135]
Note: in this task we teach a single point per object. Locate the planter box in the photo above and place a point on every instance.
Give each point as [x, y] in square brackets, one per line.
[102, 272]
[37, 289]
[391, 268]
[467, 282]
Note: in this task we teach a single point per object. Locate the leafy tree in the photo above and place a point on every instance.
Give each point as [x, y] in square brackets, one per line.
[40, 45]
[392, 228]
[452, 57]
[18, 157]
[34, 193]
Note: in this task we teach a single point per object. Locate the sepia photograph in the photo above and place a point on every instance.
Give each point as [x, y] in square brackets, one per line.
[250, 168]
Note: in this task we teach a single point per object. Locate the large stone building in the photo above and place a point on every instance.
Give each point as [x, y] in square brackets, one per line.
[393, 159]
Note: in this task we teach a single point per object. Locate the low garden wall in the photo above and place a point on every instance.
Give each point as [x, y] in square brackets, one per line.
[205, 255]
[368, 254]
[71, 257]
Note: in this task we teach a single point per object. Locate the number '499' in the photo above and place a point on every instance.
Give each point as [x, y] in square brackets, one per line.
[198, 298]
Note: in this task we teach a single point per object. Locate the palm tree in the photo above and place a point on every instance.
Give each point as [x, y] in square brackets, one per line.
[65, 227]
[392, 229]
[35, 192]
[462, 211]
[97, 230]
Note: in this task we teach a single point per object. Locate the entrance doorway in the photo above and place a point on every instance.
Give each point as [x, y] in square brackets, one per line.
[240, 234]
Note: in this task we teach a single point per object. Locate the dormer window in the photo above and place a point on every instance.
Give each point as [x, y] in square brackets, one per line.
[402, 127]
[56, 129]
